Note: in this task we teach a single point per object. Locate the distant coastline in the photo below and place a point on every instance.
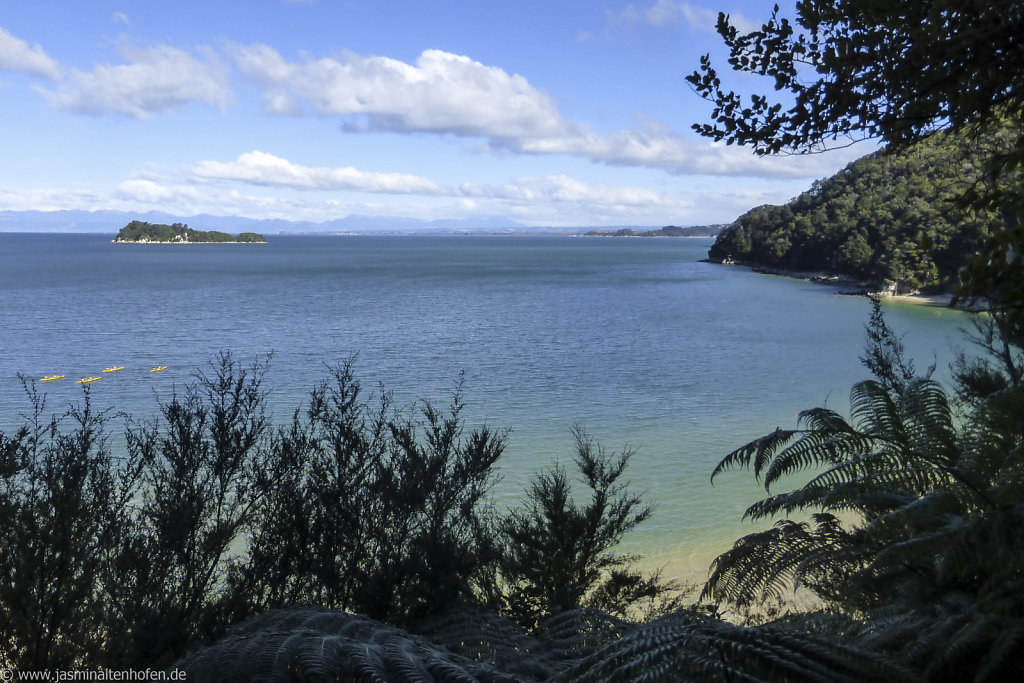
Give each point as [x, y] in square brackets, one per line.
[667, 231]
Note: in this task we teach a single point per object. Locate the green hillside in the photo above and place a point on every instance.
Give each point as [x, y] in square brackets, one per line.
[888, 219]
[179, 233]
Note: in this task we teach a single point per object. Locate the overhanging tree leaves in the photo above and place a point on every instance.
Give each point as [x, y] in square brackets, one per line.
[855, 69]
[557, 555]
[899, 71]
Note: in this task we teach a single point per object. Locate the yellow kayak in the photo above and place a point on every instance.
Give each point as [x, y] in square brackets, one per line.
[50, 378]
[159, 368]
[114, 368]
[86, 380]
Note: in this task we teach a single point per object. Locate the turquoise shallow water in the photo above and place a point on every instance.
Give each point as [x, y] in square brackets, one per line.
[635, 339]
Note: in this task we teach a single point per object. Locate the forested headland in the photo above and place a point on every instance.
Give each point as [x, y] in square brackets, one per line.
[141, 232]
[894, 220]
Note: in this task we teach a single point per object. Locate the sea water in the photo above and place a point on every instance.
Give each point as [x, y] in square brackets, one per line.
[636, 340]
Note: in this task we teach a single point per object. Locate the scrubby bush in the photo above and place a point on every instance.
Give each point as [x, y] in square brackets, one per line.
[208, 514]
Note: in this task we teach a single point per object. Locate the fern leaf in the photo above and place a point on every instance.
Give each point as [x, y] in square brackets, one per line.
[818, 449]
[759, 450]
[875, 412]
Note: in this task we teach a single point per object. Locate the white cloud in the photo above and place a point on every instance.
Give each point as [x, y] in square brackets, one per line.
[562, 189]
[261, 168]
[665, 12]
[120, 18]
[149, 191]
[440, 93]
[539, 200]
[655, 145]
[669, 12]
[546, 200]
[17, 55]
[156, 79]
[443, 93]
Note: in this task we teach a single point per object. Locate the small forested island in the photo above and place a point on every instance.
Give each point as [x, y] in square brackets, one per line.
[141, 232]
[895, 220]
[667, 231]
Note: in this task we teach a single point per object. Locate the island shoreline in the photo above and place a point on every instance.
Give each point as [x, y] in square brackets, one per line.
[177, 243]
[852, 287]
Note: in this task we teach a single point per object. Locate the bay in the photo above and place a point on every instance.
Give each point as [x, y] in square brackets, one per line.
[634, 339]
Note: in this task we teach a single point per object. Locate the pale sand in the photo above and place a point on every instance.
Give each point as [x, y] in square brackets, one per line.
[685, 566]
[938, 300]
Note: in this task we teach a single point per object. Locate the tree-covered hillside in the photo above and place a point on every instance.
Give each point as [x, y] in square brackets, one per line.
[141, 231]
[890, 218]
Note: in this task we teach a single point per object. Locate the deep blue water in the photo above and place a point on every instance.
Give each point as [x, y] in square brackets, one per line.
[634, 339]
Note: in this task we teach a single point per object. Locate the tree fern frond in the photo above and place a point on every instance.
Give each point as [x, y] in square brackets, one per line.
[990, 547]
[784, 503]
[808, 657]
[931, 636]
[362, 662]
[402, 663]
[929, 420]
[993, 450]
[912, 481]
[1003, 659]
[581, 630]
[823, 420]
[922, 548]
[770, 563]
[841, 487]
[314, 644]
[759, 450]
[968, 642]
[818, 449]
[683, 646]
[875, 412]
[484, 637]
[441, 669]
[905, 513]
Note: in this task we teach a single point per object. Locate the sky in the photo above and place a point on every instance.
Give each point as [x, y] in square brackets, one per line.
[557, 114]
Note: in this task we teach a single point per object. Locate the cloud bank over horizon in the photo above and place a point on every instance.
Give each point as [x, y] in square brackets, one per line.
[473, 112]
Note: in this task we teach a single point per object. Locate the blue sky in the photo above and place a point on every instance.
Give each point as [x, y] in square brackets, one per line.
[568, 113]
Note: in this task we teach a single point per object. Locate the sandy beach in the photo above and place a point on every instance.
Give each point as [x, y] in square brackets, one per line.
[851, 287]
[937, 300]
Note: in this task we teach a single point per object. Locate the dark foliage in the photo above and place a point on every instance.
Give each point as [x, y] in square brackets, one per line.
[141, 231]
[62, 502]
[916, 517]
[884, 354]
[208, 515]
[916, 502]
[557, 555]
[205, 464]
[372, 516]
[854, 69]
[577, 645]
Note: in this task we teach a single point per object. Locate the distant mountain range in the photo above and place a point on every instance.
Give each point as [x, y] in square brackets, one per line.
[112, 221]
